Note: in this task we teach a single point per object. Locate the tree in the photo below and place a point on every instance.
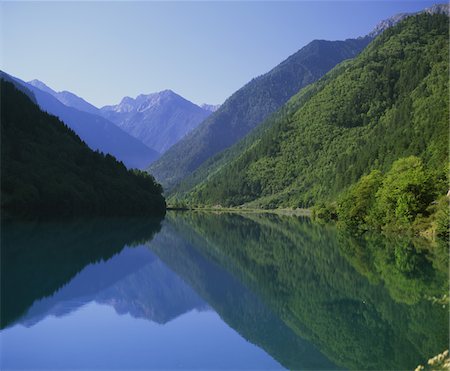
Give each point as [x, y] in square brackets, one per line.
[355, 206]
[406, 191]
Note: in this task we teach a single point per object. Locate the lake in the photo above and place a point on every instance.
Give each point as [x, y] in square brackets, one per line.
[201, 290]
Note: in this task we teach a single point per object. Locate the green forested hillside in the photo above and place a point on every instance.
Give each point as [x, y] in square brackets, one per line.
[47, 169]
[250, 105]
[389, 102]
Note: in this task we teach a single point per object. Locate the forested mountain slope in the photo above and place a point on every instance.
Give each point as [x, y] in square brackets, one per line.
[250, 105]
[47, 169]
[389, 102]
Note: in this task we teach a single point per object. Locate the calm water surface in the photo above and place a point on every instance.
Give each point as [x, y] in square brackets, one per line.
[211, 291]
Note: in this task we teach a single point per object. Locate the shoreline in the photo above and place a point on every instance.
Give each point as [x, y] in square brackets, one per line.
[235, 210]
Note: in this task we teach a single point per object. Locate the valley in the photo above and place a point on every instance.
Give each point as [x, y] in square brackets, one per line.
[225, 185]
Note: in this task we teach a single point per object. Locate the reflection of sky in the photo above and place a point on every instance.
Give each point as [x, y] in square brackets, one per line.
[134, 281]
[96, 337]
[162, 323]
[148, 307]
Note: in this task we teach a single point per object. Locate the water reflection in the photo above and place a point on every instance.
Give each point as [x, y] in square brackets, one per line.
[132, 282]
[298, 269]
[187, 253]
[303, 295]
[37, 258]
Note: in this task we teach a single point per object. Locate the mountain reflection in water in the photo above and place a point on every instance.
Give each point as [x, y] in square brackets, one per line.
[224, 291]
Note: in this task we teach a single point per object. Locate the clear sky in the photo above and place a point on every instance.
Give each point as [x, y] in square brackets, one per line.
[204, 51]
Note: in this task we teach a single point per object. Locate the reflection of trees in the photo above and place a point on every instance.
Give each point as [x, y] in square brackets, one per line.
[186, 253]
[288, 285]
[298, 269]
[37, 258]
[409, 269]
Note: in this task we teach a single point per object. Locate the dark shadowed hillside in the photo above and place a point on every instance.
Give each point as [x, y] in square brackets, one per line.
[47, 169]
[97, 132]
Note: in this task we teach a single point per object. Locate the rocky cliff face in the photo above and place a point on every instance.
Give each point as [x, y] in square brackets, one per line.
[159, 120]
[210, 107]
[392, 21]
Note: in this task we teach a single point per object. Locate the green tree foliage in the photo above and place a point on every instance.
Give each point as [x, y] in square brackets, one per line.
[389, 102]
[355, 205]
[410, 268]
[402, 199]
[47, 169]
[406, 191]
[441, 218]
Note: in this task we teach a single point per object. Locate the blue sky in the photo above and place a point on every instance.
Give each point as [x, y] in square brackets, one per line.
[204, 51]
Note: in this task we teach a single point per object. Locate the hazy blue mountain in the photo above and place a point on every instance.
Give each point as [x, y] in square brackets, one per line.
[67, 98]
[97, 132]
[250, 105]
[40, 85]
[158, 120]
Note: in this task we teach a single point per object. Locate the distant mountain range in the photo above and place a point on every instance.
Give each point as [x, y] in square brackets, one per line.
[158, 120]
[97, 132]
[67, 98]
